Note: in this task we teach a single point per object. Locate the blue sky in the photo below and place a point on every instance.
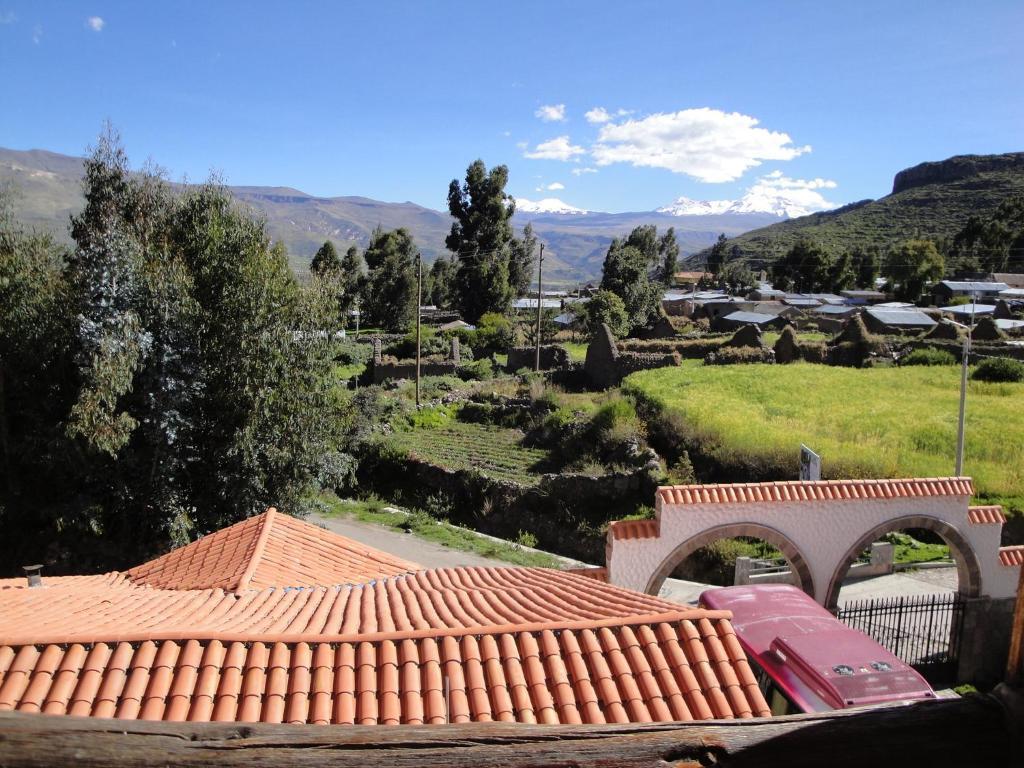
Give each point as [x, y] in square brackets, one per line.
[393, 99]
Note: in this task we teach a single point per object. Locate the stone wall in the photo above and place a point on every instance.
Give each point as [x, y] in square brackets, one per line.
[552, 356]
[383, 368]
[606, 366]
[566, 512]
[985, 640]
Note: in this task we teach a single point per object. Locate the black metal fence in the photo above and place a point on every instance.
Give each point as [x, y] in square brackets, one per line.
[922, 630]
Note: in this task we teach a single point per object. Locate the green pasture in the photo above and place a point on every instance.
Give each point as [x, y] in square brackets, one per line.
[882, 422]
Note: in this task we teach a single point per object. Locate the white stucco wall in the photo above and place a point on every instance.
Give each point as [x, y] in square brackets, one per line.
[823, 531]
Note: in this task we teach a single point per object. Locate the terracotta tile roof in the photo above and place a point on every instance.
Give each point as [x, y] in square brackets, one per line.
[271, 549]
[105, 580]
[518, 644]
[987, 515]
[1012, 556]
[816, 490]
[682, 667]
[434, 599]
[634, 529]
[598, 574]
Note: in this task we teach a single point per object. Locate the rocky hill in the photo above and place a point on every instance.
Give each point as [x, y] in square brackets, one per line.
[931, 200]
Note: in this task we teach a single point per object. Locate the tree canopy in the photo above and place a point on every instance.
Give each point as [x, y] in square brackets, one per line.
[626, 274]
[493, 265]
[911, 266]
[390, 292]
[183, 382]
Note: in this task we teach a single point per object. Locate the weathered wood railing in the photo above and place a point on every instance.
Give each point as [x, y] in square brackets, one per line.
[981, 730]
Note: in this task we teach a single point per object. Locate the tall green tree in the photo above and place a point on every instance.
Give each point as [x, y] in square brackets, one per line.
[521, 261]
[326, 260]
[911, 266]
[390, 292]
[626, 274]
[992, 244]
[866, 263]
[193, 383]
[481, 239]
[605, 308]
[668, 251]
[38, 463]
[440, 283]
[717, 255]
[806, 268]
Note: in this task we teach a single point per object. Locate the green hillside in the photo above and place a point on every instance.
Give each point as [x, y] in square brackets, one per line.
[930, 200]
[47, 189]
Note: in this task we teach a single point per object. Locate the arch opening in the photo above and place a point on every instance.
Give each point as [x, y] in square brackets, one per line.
[798, 564]
[963, 555]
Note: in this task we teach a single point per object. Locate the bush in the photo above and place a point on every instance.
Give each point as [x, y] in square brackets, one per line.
[928, 356]
[480, 370]
[999, 369]
[814, 351]
[494, 333]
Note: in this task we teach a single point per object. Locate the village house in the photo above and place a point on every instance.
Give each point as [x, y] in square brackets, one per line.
[277, 620]
[947, 290]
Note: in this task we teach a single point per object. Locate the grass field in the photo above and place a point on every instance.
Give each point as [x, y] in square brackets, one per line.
[885, 422]
[491, 451]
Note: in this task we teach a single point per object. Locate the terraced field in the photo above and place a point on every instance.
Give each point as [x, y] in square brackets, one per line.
[491, 451]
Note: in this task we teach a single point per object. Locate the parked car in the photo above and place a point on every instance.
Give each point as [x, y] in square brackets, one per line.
[805, 659]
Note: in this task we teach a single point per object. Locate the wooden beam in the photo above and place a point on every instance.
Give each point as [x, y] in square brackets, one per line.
[1015, 659]
[977, 730]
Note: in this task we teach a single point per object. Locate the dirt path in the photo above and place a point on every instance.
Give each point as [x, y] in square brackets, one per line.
[404, 545]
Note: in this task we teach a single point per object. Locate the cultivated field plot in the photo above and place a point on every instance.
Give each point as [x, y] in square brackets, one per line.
[881, 422]
[491, 451]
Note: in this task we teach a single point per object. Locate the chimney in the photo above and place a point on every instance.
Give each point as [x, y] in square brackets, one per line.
[34, 575]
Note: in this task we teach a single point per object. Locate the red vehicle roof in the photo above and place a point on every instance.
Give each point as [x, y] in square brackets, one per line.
[819, 662]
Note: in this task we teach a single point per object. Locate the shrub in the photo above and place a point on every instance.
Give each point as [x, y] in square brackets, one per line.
[814, 351]
[526, 539]
[928, 356]
[999, 369]
[494, 333]
[481, 370]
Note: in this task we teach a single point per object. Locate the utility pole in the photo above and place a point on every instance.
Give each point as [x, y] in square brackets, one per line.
[963, 393]
[540, 300]
[419, 303]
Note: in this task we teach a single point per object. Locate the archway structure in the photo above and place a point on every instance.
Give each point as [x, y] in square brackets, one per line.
[819, 525]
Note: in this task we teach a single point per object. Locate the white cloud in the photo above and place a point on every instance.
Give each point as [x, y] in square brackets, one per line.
[599, 115]
[799, 196]
[581, 171]
[95, 23]
[559, 148]
[707, 144]
[551, 113]
[777, 179]
[8, 17]
[555, 185]
[37, 33]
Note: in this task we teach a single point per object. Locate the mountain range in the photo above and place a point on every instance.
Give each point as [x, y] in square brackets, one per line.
[47, 191]
[932, 200]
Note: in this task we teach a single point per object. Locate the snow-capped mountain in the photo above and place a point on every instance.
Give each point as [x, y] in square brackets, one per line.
[684, 206]
[547, 205]
[756, 200]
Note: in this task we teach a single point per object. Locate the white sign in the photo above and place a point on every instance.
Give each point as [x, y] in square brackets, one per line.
[810, 464]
